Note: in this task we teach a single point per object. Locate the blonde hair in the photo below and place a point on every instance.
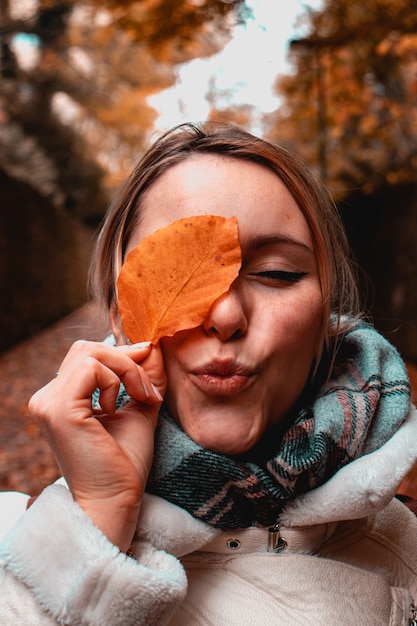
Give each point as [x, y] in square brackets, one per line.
[337, 278]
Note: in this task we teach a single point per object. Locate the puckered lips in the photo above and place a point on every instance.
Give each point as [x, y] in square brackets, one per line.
[222, 377]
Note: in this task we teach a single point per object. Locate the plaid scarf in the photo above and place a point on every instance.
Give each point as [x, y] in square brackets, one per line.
[352, 413]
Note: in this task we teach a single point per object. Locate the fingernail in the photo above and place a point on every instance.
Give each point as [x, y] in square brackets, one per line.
[141, 344]
[156, 392]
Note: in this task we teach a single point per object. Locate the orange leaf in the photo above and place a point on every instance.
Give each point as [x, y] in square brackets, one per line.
[170, 280]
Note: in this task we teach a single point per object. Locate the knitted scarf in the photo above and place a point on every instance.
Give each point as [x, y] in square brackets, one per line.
[352, 413]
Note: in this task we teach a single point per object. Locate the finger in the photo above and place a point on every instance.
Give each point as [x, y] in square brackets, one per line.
[121, 360]
[108, 382]
[151, 371]
[100, 350]
[90, 366]
[97, 375]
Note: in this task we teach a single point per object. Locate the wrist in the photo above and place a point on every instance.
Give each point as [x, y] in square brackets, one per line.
[116, 517]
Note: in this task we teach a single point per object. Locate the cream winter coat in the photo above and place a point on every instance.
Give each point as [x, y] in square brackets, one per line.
[346, 555]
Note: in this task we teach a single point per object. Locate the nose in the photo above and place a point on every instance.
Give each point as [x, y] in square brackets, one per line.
[227, 318]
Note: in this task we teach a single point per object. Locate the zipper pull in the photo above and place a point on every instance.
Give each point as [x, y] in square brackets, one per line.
[276, 543]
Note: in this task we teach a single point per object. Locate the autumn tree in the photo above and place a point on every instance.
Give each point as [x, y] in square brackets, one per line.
[74, 109]
[350, 103]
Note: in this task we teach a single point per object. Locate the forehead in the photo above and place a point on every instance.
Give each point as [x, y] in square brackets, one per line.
[216, 185]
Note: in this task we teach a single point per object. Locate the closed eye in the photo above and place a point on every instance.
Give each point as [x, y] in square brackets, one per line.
[280, 276]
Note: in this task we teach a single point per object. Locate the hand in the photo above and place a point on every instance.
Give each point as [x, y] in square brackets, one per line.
[104, 455]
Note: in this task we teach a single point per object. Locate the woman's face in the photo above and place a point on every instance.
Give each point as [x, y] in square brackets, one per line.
[239, 373]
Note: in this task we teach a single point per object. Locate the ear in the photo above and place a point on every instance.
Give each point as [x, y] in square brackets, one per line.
[116, 325]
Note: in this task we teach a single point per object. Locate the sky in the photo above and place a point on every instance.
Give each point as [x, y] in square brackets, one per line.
[246, 68]
[243, 72]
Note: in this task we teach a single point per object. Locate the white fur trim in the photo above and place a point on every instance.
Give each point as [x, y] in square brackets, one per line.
[168, 527]
[79, 577]
[12, 506]
[362, 487]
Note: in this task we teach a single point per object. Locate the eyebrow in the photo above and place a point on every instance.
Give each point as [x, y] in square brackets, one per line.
[261, 241]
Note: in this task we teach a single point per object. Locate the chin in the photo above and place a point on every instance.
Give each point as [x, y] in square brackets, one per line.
[223, 442]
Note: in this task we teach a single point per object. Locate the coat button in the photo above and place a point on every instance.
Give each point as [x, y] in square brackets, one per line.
[233, 544]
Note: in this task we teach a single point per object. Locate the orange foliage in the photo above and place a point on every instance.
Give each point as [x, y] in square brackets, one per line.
[353, 93]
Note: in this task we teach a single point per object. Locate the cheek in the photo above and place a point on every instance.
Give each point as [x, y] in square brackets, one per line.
[299, 324]
[311, 319]
[171, 352]
[315, 322]
[296, 343]
[168, 352]
[171, 345]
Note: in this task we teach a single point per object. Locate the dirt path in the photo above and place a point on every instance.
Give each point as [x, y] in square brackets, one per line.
[26, 463]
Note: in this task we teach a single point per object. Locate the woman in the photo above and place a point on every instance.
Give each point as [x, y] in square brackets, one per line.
[270, 438]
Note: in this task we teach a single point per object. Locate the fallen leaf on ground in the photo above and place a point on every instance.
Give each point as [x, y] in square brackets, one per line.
[170, 280]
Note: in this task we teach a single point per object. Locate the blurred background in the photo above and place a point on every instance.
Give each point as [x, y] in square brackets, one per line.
[85, 85]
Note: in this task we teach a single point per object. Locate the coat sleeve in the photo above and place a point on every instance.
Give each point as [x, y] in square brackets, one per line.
[56, 567]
